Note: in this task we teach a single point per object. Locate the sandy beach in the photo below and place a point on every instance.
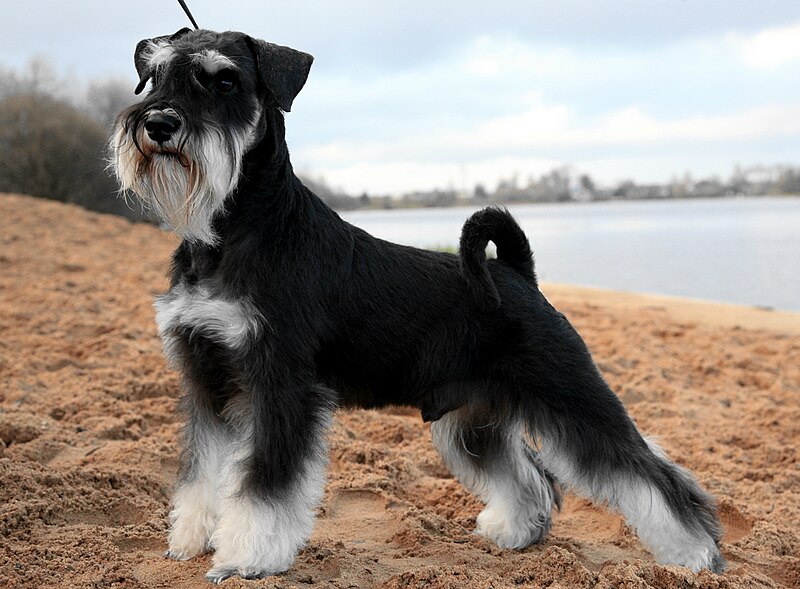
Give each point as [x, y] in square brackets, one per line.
[89, 437]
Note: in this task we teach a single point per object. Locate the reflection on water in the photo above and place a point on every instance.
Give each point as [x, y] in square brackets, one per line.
[744, 251]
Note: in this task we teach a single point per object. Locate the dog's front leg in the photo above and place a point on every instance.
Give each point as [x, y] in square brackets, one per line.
[273, 478]
[194, 505]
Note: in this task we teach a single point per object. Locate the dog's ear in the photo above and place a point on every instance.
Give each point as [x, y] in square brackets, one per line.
[282, 71]
[143, 52]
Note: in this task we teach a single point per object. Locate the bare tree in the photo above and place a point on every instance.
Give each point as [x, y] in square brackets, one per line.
[106, 98]
[53, 150]
[38, 79]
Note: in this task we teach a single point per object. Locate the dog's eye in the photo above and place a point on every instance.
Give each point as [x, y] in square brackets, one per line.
[203, 77]
[225, 81]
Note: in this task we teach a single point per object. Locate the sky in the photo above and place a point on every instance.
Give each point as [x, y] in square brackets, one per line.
[414, 95]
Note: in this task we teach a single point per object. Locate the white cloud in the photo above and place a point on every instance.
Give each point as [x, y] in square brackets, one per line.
[632, 126]
[491, 56]
[556, 126]
[770, 48]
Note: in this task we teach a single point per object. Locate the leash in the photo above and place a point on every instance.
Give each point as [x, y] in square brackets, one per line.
[189, 14]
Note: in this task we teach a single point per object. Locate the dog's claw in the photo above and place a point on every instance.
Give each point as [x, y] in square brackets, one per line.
[176, 555]
[217, 576]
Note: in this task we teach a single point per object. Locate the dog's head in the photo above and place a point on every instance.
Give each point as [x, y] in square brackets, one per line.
[180, 149]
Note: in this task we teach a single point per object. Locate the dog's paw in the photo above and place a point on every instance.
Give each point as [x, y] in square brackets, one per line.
[187, 554]
[185, 546]
[188, 537]
[218, 574]
[512, 531]
[187, 551]
[695, 556]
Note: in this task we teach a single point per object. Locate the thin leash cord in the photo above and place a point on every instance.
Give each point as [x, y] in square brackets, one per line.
[188, 13]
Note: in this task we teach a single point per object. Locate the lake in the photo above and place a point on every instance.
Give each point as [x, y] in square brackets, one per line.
[736, 250]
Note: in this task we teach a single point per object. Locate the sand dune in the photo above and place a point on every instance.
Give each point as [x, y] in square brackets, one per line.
[90, 438]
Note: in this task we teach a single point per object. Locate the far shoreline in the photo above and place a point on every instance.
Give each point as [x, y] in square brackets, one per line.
[680, 309]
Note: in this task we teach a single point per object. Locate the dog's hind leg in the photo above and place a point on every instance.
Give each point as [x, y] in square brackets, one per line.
[493, 460]
[273, 481]
[589, 443]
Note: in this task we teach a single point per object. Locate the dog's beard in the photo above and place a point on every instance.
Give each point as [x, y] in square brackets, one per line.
[185, 181]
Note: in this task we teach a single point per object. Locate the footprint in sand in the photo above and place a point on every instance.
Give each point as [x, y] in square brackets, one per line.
[736, 524]
[357, 517]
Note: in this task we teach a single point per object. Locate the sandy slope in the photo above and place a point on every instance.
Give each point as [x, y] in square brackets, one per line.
[89, 437]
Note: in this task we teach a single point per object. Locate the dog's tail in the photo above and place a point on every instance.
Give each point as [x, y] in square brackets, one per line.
[497, 225]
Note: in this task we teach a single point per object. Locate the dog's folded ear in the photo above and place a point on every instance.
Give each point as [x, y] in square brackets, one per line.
[282, 71]
[144, 52]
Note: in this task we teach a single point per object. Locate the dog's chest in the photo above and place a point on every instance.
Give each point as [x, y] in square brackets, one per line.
[196, 310]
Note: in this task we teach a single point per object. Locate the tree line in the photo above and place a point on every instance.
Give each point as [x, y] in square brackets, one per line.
[565, 184]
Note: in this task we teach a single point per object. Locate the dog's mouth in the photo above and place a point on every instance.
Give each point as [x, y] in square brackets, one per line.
[151, 149]
[165, 152]
[162, 150]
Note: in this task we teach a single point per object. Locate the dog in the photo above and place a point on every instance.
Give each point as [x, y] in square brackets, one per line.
[278, 312]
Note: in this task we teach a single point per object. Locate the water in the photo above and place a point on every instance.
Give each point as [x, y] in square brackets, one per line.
[744, 251]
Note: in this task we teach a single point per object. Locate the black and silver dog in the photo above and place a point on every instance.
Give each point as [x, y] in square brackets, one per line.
[279, 311]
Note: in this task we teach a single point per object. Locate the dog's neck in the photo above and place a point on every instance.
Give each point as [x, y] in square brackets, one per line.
[268, 195]
[270, 144]
[267, 174]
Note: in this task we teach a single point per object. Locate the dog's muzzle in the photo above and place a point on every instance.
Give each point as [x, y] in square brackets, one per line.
[161, 126]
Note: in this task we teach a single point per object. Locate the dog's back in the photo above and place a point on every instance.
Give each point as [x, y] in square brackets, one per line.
[432, 328]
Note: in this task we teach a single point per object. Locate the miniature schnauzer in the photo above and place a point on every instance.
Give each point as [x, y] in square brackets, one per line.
[279, 311]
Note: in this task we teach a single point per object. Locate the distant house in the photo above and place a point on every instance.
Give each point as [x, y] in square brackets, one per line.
[631, 191]
[709, 188]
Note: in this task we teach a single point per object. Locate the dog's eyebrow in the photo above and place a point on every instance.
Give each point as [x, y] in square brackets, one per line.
[213, 61]
[158, 54]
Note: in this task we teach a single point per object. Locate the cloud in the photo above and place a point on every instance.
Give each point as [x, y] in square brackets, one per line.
[543, 127]
[770, 48]
[632, 126]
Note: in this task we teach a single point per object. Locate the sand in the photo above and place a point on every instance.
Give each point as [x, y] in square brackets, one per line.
[90, 437]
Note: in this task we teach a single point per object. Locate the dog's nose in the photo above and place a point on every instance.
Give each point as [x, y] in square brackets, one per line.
[160, 126]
